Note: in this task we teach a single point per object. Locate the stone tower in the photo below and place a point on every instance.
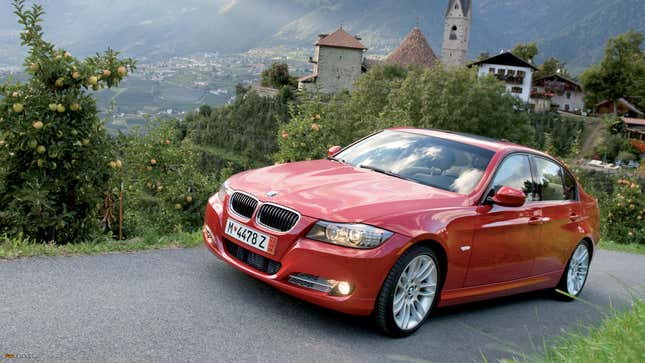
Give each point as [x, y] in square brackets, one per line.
[456, 33]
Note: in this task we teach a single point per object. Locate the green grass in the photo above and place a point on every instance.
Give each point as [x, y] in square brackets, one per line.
[12, 249]
[622, 247]
[619, 338]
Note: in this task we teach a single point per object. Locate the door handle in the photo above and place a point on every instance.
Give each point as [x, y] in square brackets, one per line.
[538, 220]
[573, 217]
[535, 221]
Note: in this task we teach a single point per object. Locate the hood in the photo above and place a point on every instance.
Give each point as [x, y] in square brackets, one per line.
[332, 191]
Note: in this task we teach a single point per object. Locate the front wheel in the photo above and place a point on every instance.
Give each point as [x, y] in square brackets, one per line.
[575, 275]
[409, 292]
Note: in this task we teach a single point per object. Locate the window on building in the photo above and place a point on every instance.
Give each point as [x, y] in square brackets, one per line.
[491, 70]
[501, 71]
[453, 32]
[568, 95]
[521, 73]
[510, 72]
[516, 90]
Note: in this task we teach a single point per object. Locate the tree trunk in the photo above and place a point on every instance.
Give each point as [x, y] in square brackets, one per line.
[615, 107]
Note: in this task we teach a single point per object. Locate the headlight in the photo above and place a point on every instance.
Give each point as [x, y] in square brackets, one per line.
[224, 190]
[348, 235]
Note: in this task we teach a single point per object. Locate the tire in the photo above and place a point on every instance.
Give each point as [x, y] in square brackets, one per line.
[414, 296]
[572, 283]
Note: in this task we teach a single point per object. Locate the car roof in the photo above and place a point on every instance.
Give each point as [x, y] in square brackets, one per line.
[470, 139]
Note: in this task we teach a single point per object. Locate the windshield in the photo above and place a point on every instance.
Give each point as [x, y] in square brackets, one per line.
[427, 160]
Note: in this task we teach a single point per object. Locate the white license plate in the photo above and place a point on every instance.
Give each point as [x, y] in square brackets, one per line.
[251, 237]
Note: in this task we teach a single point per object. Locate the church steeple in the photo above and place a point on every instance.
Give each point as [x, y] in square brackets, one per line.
[456, 33]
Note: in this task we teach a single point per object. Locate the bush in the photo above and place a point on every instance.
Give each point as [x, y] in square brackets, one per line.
[54, 150]
[277, 76]
[626, 213]
[165, 190]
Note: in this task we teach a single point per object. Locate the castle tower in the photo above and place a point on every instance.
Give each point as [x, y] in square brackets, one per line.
[456, 33]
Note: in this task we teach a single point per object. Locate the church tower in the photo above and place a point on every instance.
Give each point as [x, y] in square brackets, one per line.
[456, 33]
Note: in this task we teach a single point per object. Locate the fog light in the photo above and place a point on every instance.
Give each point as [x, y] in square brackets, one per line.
[344, 288]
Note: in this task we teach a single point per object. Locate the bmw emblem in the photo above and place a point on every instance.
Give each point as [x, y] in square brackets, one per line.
[272, 193]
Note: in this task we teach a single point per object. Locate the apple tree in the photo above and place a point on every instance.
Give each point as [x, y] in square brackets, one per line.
[54, 150]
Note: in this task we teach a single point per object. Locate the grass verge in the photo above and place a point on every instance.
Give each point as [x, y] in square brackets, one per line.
[12, 249]
[622, 247]
[619, 338]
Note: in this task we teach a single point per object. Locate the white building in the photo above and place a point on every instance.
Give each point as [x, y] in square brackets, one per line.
[515, 72]
[338, 63]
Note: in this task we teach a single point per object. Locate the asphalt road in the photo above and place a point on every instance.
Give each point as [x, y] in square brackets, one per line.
[185, 305]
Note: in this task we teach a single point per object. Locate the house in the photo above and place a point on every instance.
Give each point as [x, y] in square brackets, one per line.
[623, 108]
[338, 63]
[515, 72]
[564, 93]
[414, 50]
[634, 128]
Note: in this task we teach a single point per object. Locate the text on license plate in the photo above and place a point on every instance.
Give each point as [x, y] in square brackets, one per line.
[251, 237]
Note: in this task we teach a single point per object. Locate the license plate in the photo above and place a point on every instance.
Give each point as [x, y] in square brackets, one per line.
[251, 237]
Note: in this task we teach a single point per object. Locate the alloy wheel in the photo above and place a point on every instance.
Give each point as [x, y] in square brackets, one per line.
[578, 270]
[414, 293]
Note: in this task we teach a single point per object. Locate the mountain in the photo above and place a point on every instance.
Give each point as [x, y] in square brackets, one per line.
[573, 30]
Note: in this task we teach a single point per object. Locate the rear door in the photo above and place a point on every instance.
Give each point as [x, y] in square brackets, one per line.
[560, 209]
[504, 246]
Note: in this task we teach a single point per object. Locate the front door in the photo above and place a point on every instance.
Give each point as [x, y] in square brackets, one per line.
[504, 246]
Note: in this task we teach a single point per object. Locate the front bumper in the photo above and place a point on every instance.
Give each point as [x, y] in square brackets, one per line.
[364, 269]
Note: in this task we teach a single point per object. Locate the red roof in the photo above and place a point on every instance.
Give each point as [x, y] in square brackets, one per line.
[340, 39]
[414, 50]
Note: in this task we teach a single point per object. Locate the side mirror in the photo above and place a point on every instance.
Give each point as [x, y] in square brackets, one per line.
[333, 150]
[509, 197]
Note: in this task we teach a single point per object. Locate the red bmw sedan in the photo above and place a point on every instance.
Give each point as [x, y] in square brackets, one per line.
[406, 220]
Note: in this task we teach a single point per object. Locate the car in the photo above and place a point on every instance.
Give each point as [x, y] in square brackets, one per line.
[407, 220]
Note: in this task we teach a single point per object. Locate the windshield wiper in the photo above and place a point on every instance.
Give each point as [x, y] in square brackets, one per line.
[386, 172]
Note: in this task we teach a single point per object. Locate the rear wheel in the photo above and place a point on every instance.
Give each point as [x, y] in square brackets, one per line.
[575, 275]
[409, 292]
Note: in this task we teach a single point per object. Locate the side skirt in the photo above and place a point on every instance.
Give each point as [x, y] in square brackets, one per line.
[484, 292]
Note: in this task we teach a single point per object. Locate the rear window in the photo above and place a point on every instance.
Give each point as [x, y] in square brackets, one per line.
[427, 160]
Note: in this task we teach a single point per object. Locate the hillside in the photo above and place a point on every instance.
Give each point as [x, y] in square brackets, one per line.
[574, 30]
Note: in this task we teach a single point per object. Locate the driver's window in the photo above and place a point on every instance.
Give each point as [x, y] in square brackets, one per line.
[515, 172]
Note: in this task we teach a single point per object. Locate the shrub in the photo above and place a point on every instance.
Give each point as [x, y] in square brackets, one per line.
[277, 76]
[165, 190]
[626, 213]
[314, 127]
[54, 151]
